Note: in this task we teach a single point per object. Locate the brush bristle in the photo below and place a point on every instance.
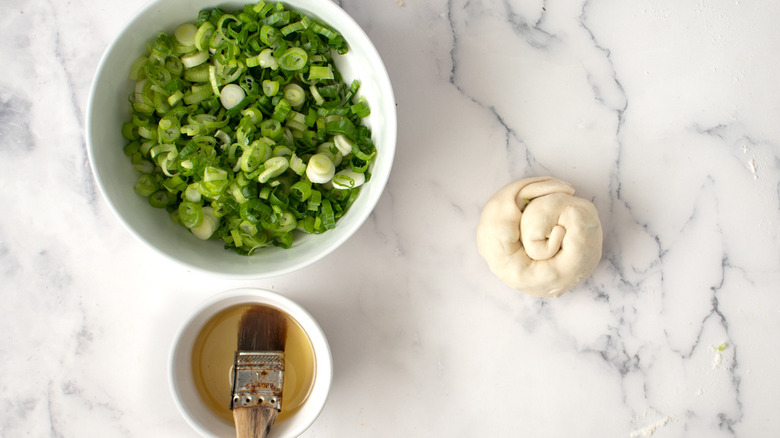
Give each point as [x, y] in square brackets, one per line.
[262, 329]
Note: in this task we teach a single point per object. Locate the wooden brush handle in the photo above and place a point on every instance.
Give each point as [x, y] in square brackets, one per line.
[254, 422]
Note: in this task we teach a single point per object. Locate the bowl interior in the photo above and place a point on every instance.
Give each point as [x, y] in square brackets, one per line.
[108, 110]
[185, 394]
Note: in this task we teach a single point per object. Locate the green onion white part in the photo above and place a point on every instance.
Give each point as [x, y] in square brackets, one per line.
[231, 95]
[348, 179]
[208, 225]
[320, 169]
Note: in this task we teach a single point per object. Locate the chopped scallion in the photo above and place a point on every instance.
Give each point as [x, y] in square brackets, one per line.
[242, 129]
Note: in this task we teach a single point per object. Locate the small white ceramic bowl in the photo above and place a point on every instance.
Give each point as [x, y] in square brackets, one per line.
[185, 394]
[108, 110]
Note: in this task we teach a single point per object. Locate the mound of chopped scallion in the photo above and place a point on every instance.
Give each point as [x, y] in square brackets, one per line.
[243, 129]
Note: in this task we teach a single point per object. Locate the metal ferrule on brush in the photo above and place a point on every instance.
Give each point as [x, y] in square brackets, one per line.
[258, 379]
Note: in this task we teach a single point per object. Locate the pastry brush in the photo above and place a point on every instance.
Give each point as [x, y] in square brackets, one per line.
[258, 377]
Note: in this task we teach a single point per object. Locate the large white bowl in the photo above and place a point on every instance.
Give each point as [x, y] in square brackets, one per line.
[108, 110]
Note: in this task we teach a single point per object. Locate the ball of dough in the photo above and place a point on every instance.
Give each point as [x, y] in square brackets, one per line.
[539, 238]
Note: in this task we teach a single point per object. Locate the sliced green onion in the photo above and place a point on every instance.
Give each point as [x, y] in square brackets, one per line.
[296, 117]
[192, 194]
[343, 144]
[296, 27]
[273, 167]
[161, 199]
[293, 59]
[142, 99]
[225, 23]
[360, 109]
[168, 129]
[236, 235]
[197, 94]
[281, 110]
[185, 34]
[215, 180]
[253, 113]
[266, 59]
[280, 48]
[315, 93]
[162, 46]
[197, 74]
[279, 18]
[348, 179]
[208, 225]
[301, 190]
[203, 35]
[327, 216]
[331, 151]
[212, 173]
[315, 200]
[226, 138]
[137, 68]
[344, 127]
[253, 61]
[294, 94]
[320, 169]
[253, 156]
[147, 184]
[271, 128]
[262, 8]
[129, 131]
[190, 214]
[297, 164]
[174, 98]
[180, 49]
[195, 59]
[324, 30]
[269, 35]
[146, 132]
[319, 72]
[231, 95]
[247, 227]
[214, 81]
[144, 166]
[287, 222]
[270, 88]
[282, 151]
[296, 127]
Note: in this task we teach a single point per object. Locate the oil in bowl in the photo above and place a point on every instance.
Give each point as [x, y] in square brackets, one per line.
[203, 351]
[213, 357]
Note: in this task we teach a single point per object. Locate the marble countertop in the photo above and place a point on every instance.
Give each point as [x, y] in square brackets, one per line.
[663, 113]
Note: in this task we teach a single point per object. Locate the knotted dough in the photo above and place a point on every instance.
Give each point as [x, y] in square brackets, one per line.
[539, 238]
